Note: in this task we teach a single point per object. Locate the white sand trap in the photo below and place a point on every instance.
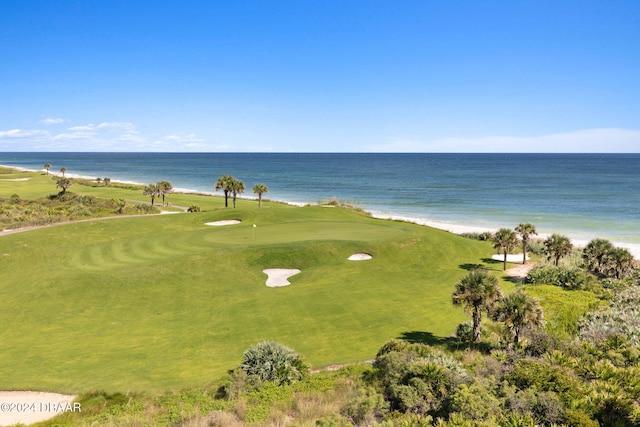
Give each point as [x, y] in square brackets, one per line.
[225, 222]
[510, 257]
[15, 179]
[28, 407]
[277, 277]
[360, 256]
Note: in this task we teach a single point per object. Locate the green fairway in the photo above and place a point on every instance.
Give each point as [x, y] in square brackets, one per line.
[166, 302]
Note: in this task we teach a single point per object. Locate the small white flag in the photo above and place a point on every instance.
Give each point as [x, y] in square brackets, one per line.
[254, 226]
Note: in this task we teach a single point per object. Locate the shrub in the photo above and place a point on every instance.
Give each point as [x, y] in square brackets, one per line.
[143, 208]
[418, 378]
[193, 208]
[529, 373]
[475, 402]
[566, 277]
[366, 407]
[621, 318]
[545, 407]
[478, 236]
[273, 362]
[464, 331]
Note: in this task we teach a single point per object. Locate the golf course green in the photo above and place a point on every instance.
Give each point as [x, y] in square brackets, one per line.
[161, 302]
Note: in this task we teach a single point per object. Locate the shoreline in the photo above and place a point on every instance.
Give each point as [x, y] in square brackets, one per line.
[462, 228]
[455, 228]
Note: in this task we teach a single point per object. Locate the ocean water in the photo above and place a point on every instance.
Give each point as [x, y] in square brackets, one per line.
[581, 195]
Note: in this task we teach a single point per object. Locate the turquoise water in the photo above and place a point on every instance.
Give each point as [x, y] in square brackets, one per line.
[581, 195]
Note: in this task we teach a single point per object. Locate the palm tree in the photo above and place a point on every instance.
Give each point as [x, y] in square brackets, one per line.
[47, 166]
[164, 188]
[122, 203]
[619, 262]
[557, 246]
[63, 170]
[595, 253]
[63, 183]
[237, 187]
[519, 311]
[106, 181]
[259, 189]
[478, 291]
[505, 240]
[224, 183]
[525, 231]
[151, 190]
[98, 180]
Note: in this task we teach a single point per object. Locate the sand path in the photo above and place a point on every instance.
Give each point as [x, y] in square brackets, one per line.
[519, 272]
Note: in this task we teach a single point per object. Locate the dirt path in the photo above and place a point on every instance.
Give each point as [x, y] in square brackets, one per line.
[519, 272]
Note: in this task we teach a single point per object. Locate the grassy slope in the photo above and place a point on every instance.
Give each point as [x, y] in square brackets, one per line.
[165, 302]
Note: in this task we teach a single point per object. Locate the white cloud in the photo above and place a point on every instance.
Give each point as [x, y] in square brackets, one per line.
[605, 140]
[116, 125]
[83, 128]
[19, 133]
[51, 121]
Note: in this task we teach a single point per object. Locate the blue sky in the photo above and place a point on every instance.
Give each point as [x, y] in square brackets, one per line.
[336, 76]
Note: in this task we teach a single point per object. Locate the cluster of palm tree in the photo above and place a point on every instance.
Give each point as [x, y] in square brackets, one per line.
[233, 186]
[606, 260]
[106, 181]
[47, 166]
[556, 246]
[479, 292]
[159, 189]
[506, 240]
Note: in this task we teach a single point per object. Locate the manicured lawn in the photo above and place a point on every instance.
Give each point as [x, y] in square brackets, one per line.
[166, 302]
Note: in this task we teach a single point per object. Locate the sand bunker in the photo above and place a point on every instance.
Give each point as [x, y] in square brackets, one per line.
[28, 407]
[360, 256]
[277, 277]
[510, 257]
[15, 179]
[225, 222]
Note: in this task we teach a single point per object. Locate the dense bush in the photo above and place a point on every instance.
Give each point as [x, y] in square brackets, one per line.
[483, 236]
[621, 318]
[273, 362]
[417, 378]
[566, 277]
[464, 331]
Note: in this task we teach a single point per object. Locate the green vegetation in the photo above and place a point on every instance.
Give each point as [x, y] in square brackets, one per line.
[260, 189]
[273, 362]
[478, 291]
[505, 240]
[557, 246]
[525, 231]
[225, 183]
[161, 315]
[166, 302]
